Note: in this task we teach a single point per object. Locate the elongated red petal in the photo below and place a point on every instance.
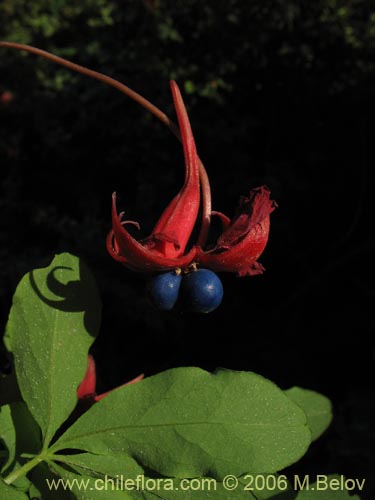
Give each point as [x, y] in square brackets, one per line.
[173, 229]
[137, 256]
[245, 238]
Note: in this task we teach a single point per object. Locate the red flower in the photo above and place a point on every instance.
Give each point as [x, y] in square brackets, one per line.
[238, 248]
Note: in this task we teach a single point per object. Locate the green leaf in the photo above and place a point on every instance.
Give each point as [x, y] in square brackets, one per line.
[34, 493]
[22, 483]
[110, 465]
[7, 435]
[87, 488]
[268, 486]
[19, 432]
[10, 493]
[147, 488]
[187, 422]
[318, 409]
[27, 430]
[53, 321]
[329, 487]
[201, 488]
[43, 480]
[22, 437]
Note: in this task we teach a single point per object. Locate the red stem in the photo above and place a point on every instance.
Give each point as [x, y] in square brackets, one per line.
[206, 191]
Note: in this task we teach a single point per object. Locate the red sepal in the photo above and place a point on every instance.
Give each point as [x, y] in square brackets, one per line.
[172, 231]
[244, 239]
[164, 248]
[87, 387]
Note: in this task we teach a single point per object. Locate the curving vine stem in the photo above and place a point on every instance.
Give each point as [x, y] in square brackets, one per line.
[205, 185]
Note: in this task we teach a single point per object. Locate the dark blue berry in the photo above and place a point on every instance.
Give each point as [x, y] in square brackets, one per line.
[202, 290]
[163, 290]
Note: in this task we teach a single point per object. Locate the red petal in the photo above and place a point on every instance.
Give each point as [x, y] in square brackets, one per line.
[133, 254]
[241, 257]
[88, 385]
[178, 219]
[252, 211]
[241, 244]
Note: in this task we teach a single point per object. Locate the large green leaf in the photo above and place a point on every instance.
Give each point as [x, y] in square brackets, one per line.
[113, 465]
[318, 409]
[53, 321]
[187, 422]
[126, 473]
[86, 487]
[147, 488]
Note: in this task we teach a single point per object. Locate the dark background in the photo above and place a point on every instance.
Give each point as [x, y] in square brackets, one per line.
[278, 93]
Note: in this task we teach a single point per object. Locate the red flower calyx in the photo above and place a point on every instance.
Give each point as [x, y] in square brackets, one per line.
[168, 246]
[237, 249]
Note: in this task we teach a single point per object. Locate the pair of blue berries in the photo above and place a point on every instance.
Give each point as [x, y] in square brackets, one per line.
[201, 290]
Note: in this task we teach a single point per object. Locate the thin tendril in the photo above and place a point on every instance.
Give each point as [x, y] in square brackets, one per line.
[206, 191]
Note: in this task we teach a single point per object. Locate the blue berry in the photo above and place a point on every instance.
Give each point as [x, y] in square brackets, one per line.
[163, 290]
[202, 290]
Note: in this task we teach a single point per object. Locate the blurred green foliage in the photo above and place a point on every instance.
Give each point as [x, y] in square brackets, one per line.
[205, 45]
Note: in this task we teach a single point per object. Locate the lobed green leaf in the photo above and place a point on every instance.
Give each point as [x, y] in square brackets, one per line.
[53, 321]
[186, 422]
